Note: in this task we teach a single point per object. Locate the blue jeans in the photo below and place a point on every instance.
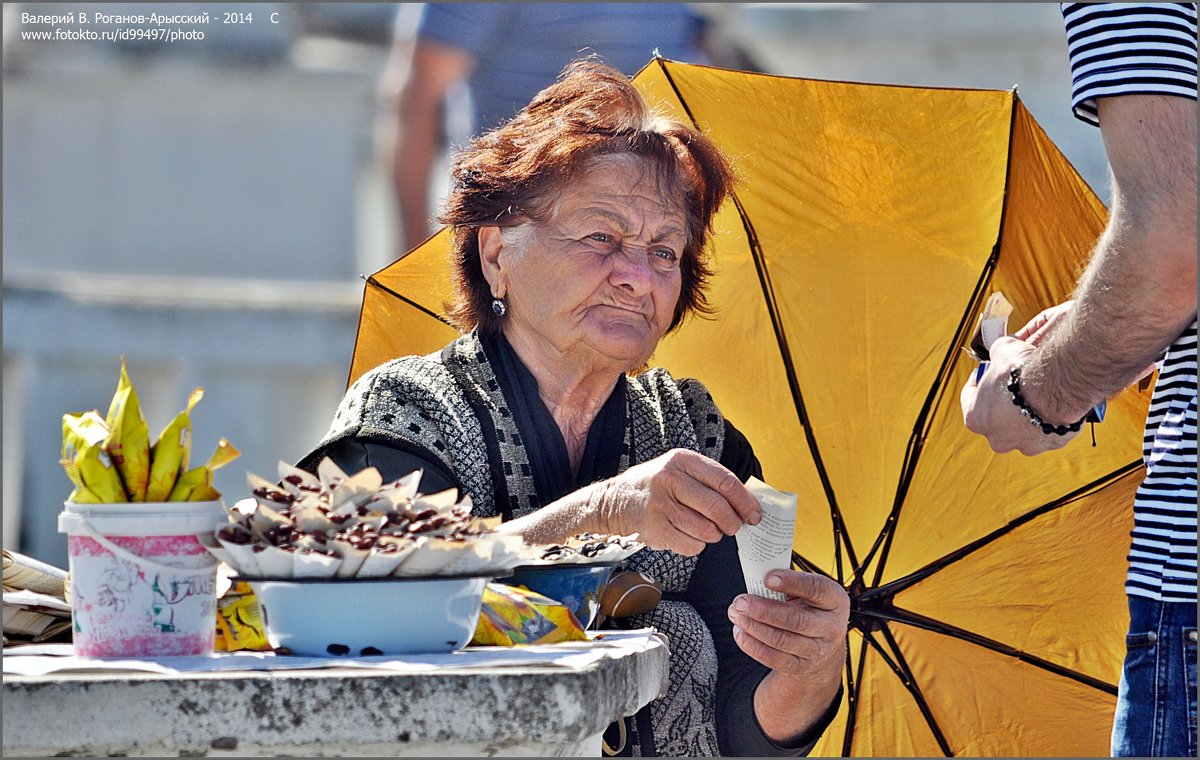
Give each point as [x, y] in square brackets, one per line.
[1156, 702]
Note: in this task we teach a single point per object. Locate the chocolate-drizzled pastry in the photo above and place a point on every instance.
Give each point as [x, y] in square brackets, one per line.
[369, 527]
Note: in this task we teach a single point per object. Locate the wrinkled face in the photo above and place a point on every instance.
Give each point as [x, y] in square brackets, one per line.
[600, 279]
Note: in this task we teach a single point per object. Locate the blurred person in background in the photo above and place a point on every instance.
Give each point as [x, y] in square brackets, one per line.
[1134, 76]
[506, 53]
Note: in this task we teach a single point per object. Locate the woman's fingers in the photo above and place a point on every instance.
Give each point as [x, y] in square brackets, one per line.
[686, 519]
[674, 540]
[704, 505]
[812, 589]
[714, 491]
[680, 501]
[776, 616]
[797, 634]
[816, 606]
[783, 650]
[631, 505]
[761, 651]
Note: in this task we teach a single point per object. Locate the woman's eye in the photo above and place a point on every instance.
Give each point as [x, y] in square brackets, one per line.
[601, 237]
[666, 254]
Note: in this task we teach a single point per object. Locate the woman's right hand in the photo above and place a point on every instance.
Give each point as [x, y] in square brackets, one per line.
[680, 501]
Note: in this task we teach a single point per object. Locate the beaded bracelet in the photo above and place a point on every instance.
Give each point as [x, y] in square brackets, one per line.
[1014, 387]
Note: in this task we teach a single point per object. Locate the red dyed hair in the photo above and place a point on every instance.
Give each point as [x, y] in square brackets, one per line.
[514, 173]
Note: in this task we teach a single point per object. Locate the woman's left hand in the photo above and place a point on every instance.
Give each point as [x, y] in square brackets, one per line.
[803, 636]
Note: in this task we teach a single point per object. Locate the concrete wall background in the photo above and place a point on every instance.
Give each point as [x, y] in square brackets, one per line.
[207, 209]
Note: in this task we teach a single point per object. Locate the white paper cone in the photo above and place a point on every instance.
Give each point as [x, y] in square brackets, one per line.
[507, 551]
[437, 556]
[352, 557]
[380, 563]
[274, 562]
[329, 474]
[264, 518]
[308, 543]
[242, 558]
[358, 489]
[403, 490]
[442, 501]
[209, 541]
[309, 564]
[305, 483]
[272, 490]
[373, 521]
[381, 506]
[242, 508]
[311, 519]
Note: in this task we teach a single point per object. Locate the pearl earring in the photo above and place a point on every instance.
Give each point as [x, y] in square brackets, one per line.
[498, 307]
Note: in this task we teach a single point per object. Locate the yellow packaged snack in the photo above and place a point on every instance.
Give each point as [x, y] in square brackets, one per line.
[239, 621]
[513, 615]
[128, 442]
[171, 452]
[196, 483]
[88, 466]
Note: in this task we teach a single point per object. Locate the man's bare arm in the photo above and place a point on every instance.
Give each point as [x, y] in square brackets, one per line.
[1139, 291]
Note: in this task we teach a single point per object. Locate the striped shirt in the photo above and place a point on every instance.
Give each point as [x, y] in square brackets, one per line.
[1126, 48]
[1122, 48]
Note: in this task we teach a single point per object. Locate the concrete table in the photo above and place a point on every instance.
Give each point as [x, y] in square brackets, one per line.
[482, 709]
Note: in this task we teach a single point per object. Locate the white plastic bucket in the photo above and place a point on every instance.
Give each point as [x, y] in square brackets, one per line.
[142, 584]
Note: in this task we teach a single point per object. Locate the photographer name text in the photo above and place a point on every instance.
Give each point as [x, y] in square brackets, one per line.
[156, 27]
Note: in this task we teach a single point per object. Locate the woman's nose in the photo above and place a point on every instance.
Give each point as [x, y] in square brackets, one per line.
[631, 268]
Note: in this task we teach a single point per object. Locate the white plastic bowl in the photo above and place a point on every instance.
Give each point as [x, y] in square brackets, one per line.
[352, 617]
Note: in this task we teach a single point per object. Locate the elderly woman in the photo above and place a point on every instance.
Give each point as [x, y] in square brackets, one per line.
[580, 230]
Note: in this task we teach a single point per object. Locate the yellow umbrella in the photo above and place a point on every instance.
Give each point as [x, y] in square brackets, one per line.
[869, 225]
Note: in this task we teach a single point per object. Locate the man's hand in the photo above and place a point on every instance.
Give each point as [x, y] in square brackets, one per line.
[988, 408]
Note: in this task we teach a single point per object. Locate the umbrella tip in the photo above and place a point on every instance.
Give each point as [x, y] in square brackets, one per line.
[656, 55]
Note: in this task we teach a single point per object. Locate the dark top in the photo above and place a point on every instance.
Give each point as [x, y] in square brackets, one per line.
[717, 577]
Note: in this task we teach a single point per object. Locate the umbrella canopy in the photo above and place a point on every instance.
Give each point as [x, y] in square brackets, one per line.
[869, 225]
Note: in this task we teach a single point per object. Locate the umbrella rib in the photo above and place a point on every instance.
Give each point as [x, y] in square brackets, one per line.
[898, 585]
[764, 279]
[900, 667]
[916, 441]
[898, 615]
[375, 283]
[853, 686]
[807, 565]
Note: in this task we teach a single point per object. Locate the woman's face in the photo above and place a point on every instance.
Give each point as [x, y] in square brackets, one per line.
[600, 279]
